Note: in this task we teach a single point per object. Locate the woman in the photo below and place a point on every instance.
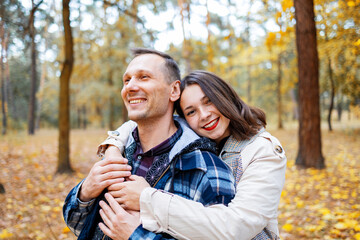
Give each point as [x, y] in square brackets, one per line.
[214, 110]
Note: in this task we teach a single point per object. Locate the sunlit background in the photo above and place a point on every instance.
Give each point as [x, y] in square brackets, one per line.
[250, 43]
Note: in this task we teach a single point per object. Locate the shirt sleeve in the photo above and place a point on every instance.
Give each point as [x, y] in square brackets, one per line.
[75, 211]
[141, 233]
[117, 138]
[253, 208]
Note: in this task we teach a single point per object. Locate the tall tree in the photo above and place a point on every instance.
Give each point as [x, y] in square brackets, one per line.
[2, 189]
[309, 154]
[64, 98]
[4, 41]
[278, 91]
[186, 46]
[32, 101]
[247, 37]
[110, 74]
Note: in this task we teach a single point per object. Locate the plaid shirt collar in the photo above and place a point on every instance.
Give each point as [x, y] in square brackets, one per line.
[155, 161]
[163, 147]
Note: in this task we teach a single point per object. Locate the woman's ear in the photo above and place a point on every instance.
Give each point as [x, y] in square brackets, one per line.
[175, 91]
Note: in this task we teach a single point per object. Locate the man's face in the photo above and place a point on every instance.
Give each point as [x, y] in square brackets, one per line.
[146, 92]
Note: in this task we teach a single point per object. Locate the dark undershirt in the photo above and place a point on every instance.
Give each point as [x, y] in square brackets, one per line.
[221, 144]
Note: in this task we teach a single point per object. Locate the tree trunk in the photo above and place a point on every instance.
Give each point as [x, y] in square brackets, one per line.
[186, 43]
[41, 86]
[249, 99]
[247, 39]
[309, 154]
[99, 113]
[2, 189]
[32, 99]
[42, 82]
[3, 87]
[209, 47]
[280, 123]
[84, 118]
[111, 101]
[64, 101]
[295, 103]
[339, 106]
[332, 95]
[79, 120]
[10, 95]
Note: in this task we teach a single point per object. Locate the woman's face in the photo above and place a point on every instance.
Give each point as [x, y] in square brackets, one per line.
[202, 115]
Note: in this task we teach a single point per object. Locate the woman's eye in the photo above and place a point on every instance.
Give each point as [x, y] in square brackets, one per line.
[207, 101]
[190, 113]
[144, 77]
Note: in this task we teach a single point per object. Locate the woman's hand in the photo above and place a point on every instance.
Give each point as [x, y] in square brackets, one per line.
[118, 223]
[127, 194]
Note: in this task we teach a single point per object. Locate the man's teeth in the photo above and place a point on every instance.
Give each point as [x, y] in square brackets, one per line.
[136, 101]
[210, 124]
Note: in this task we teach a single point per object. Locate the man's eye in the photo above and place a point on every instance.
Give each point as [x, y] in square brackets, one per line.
[207, 101]
[126, 80]
[144, 76]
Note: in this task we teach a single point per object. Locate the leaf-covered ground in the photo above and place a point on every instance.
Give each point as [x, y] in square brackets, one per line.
[315, 204]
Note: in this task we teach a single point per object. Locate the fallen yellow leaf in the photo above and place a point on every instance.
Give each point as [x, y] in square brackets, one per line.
[287, 227]
[65, 230]
[5, 234]
[357, 236]
[340, 226]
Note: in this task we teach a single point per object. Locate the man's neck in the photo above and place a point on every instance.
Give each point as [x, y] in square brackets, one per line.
[152, 133]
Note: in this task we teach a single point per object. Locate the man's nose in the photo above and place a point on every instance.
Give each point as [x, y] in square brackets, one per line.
[132, 85]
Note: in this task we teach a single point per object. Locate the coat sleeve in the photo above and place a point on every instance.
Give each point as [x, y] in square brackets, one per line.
[117, 138]
[253, 208]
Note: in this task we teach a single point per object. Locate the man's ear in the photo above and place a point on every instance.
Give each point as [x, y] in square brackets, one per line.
[175, 91]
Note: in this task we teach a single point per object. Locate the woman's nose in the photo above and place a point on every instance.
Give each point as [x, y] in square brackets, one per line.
[204, 113]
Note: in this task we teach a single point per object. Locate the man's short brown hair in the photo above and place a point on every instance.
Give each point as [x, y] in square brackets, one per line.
[172, 70]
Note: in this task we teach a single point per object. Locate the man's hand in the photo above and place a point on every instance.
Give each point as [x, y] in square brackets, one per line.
[119, 224]
[127, 194]
[103, 174]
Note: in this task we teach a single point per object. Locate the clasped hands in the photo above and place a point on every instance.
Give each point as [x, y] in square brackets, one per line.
[121, 216]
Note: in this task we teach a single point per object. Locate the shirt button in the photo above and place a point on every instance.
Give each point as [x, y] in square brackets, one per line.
[139, 157]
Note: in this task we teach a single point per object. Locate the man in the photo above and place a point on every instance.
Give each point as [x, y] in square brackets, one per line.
[167, 153]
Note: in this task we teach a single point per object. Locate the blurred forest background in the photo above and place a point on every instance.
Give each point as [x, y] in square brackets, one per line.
[252, 44]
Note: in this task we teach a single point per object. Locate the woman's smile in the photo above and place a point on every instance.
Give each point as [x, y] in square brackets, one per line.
[211, 125]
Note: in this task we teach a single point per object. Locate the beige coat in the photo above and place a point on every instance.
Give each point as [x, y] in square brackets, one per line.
[263, 164]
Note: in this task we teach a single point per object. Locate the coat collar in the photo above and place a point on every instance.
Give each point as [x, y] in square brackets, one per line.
[233, 145]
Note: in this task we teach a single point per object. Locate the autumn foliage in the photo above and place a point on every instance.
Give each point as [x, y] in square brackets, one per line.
[315, 204]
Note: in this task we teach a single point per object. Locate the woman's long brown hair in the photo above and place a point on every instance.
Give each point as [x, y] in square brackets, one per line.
[245, 121]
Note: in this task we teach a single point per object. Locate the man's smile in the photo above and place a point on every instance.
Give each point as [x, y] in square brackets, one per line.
[136, 101]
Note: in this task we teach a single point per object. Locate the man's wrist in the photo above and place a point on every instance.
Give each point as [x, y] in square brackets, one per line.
[83, 196]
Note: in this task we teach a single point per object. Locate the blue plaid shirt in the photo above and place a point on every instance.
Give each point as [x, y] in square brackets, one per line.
[154, 162]
[195, 172]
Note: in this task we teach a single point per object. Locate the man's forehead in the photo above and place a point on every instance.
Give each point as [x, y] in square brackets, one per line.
[145, 62]
[148, 57]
